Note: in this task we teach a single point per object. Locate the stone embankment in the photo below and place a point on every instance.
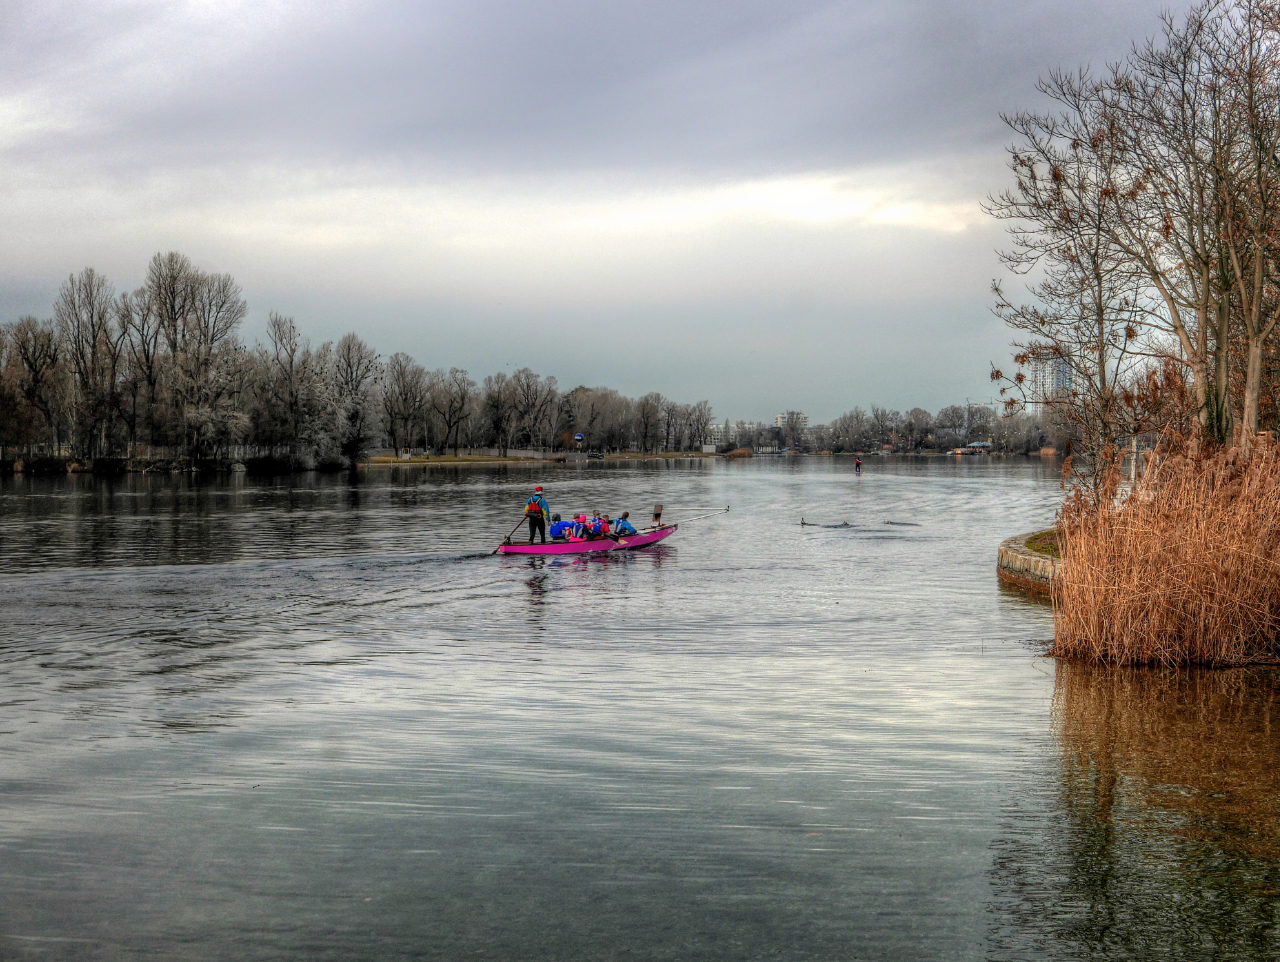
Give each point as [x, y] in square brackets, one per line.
[1026, 567]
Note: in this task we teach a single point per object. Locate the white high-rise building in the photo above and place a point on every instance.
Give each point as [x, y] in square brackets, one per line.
[785, 417]
[1047, 379]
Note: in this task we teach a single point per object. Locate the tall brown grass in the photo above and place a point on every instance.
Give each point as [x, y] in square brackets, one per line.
[1184, 568]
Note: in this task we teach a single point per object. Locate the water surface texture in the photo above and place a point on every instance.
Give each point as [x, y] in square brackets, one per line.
[314, 718]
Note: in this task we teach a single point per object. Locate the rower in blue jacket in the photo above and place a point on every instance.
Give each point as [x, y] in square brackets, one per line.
[623, 526]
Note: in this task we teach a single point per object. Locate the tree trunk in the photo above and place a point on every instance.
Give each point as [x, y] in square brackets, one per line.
[1252, 389]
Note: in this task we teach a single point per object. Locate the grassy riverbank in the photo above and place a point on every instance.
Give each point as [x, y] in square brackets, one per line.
[1045, 542]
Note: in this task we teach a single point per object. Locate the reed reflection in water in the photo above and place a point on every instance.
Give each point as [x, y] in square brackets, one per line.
[1162, 837]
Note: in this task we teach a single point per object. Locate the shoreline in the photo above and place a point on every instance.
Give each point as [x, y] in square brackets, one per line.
[114, 467]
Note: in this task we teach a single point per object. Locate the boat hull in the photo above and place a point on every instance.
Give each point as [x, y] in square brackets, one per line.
[598, 546]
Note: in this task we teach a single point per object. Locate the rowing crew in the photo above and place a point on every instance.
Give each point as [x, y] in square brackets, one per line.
[576, 529]
[583, 528]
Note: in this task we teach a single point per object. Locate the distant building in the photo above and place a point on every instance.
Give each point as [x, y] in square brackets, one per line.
[790, 417]
[722, 433]
[1047, 380]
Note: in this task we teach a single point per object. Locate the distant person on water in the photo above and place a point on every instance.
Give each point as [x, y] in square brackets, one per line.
[536, 510]
[623, 526]
[857, 465]
[560, 529]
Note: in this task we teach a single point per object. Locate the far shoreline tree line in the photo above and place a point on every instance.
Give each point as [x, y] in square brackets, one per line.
[161, 372]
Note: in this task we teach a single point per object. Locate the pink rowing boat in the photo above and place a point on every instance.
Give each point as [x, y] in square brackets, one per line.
[594, 545]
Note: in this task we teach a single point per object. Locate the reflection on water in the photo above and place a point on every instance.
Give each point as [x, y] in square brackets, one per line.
[1161, 838]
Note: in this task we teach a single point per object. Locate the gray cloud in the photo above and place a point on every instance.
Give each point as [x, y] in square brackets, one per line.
[535, 150]
[576, 84]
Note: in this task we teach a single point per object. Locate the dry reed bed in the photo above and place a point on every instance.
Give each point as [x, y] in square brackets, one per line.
[1184, 569]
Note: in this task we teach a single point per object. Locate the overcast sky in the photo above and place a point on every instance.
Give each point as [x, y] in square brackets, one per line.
[768, 205]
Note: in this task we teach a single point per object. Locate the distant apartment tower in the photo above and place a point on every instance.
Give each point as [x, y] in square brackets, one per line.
[1049, 378]
[722, 433]
[791, 417]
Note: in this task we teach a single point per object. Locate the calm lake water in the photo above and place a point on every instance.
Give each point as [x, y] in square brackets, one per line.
[313, 718]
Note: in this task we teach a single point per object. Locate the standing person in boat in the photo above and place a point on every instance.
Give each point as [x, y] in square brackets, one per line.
[536, 510]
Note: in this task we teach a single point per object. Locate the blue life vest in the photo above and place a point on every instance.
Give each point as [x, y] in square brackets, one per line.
[623, 527]
[560, 529]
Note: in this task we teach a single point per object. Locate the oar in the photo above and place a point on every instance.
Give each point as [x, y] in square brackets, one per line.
[672, 524]
[508, 537]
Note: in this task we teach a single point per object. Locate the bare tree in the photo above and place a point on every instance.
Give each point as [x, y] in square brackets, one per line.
[1248, 179]
[700, 418]
[404, 398]
[450, 396]
[356, 372]
[198, 315]
[535, 402]
[848, 431]
[1165, 201]
[139, 323]
[917, 423]
[1089, 301]
[298, 395]
[884, 422]
[35, 343]
[979, 421]
[498, 409]
[951, 419]
[86, 318]
[649, 412]
[671, 416]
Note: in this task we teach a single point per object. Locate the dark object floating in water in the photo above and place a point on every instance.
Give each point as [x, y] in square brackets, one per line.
[814, 524]
[905, 524]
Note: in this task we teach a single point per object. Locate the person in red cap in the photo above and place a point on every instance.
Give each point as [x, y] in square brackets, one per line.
[536, 510]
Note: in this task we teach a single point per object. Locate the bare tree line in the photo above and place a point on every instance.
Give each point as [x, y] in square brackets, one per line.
[162, 371]
[1147, 202]
[881, 428]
